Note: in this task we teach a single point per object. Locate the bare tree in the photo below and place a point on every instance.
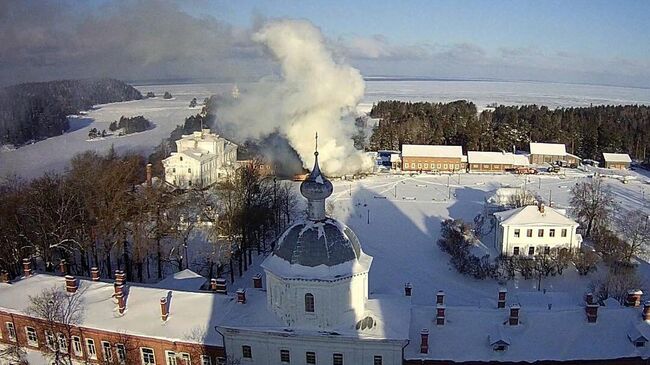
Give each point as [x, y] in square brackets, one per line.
[615, 284]
[592, 203]
[635, 230]
[61, 312]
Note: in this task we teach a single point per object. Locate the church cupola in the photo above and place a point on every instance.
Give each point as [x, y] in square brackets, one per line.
[316, 188]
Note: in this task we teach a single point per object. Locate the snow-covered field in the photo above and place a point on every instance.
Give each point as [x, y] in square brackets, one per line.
[54, 153]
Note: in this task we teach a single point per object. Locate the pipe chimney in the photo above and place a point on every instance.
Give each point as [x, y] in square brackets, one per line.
[27, 268]
[149, 174]
[63, 267]
[541, 208]
[221, 286]
[408, 289]
[94, 273]
[164, 310]
[70, 284]
[440, 314]
[213, 285]
[501, 301]
[646, 311]
[513, 320]
[241, 296]
[4, 276]
[592, 312]
[257, 281]
[633, 298]
[424, 341]
[121, 303]
[440, 297]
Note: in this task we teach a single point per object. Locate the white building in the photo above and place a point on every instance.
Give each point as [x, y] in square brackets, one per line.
[202, 158]
[317, 309]
[535, 229]
[619, 161]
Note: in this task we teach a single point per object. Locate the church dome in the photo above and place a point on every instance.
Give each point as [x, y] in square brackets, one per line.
[316, 186]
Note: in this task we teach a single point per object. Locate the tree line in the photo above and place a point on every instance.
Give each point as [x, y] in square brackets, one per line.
[586, 131]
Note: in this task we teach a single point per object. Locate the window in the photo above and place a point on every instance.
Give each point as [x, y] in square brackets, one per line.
[377, 360]
[438, 166]
[564, 232]
[90, 346]
[517, 232]
[181, 158]
[148, 357]
[189, 171]
[457, 166]
[426, 165]
[121, 353]
[174, 169]
[170, 357]
[529, 233]
[50, 341]
[32, 338]
[419, 165]
[515, 251]
[76, 346]
[11, 331]
[106, 352]
[547, 250]
[246, 352]
[531, 251]
[309, 303]
[310, 357]
[337, 359]
[639, 343]
[540, 233]
[284, 356]
[444, 166]
[551, 232]
[206, 360]
[63, 343]
[185, 359]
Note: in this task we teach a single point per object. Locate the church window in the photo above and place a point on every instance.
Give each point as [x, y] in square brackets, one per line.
[246, 352]
[337, 359]
[309, 303]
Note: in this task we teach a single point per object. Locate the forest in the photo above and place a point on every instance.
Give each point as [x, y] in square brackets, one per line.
[130, 124]
[586, 131]
[34, 111]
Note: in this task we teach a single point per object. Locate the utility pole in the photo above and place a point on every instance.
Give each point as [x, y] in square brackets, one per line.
[550, 197]
[368, 216]
[395, 192]
[540, 183]
[448, 187]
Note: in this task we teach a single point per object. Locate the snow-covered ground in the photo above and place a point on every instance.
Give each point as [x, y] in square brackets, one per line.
[54, 153]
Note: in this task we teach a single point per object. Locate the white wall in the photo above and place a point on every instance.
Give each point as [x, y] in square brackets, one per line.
[507, 241]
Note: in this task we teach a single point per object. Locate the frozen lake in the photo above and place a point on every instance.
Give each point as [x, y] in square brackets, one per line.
[54, 153]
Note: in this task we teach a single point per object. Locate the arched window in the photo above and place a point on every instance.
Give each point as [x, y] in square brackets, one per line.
[309, 302]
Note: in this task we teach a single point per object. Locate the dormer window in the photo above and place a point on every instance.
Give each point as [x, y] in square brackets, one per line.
[309, 303]
[639, 343]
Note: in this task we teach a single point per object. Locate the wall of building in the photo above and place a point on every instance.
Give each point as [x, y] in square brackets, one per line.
[617, 165]
[132, 344]
[431, 164]
[488, 167]
[622, 361]
[541, 159]
[507, 240]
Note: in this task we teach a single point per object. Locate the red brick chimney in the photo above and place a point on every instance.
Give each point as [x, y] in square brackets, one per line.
[257, 281]
[27, 268]
[164, 310]
[424, 341]
[408, 289]
[149, 174]
[70, 284]
[221, 286]
[501, 301]
[646, 311]
[440, 297]
[592, 312]
[4, 276]
[121, 302]
[63, 267]
[440, 314]
[94, 273]
[241, 296]
[513, 320]
[633, 298]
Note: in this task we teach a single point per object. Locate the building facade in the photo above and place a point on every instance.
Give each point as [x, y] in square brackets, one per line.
[433, 158]
[619, 161]
[535, 229]
[202, 158]
[479, 161]
[543, 153]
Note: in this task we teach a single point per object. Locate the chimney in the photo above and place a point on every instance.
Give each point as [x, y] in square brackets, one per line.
[514, 315]
[94, 273]
[221, 286]
[164, 311]
[121, 302]
[213, 284]
[589, 298]
[646, 311]
[592, 312]
[27, 268]
[63, 267]
[257, 281]
[440, 314]
[241, 296]
[4, 276]
[408, 289]
[633, 298]
[424, 341]
[149, 174]
[541, 207]
[70, 284]
[440, 297]
[501, 301]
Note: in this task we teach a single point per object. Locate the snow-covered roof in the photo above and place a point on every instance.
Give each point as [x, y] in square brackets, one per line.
[531, 215]
[553, 149]
[504, 158]
[420, 150]
[182, 280]
[543, 334]
[616, 157]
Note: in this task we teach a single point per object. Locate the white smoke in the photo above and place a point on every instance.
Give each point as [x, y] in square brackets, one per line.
[313, 94]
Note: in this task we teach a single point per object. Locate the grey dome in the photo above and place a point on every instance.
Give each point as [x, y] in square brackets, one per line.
[327, 242]
[316, 186]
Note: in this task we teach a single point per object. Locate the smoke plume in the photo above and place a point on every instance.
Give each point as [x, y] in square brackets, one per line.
[313, 93]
